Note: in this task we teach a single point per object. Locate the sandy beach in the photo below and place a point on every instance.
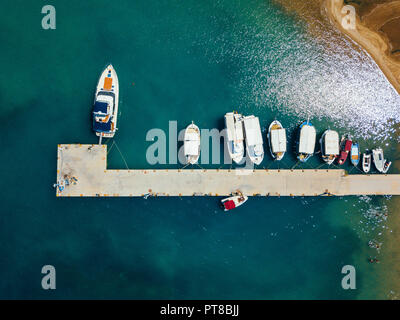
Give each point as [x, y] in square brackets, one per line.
[369, 34]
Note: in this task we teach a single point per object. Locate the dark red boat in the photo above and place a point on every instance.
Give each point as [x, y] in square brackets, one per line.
[345, 150]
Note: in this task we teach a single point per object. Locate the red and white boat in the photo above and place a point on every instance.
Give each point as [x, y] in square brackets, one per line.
[345, 148]
[233, 202]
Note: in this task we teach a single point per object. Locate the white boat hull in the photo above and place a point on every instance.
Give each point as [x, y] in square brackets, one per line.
[366, 163]
[254, 141]
[329, 153]
[192, 144]
[234, 139]
[379, 160]
[237, 200]
[306, 144]
[275, 155]
[107, 86]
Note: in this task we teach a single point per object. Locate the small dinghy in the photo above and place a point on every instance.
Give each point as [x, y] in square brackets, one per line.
[366, 162]
[355, 154]
[329, 146]
[345, 144]
[277, 140]
[379, 161]
[192, 144]
[386, 166]
[234, 201]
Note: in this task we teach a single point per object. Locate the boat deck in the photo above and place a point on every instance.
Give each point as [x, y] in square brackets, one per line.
[85, 166]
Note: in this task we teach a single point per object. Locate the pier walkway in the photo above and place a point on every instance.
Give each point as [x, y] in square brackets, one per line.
[85, 167]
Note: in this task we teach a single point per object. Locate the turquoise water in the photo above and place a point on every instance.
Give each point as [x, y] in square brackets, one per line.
[180, 61]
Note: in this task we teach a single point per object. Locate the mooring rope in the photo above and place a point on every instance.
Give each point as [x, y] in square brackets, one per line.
[185, 166]
[284, 163]
[109, 150]
[121, 155]
[320, 166]
[296, 164]
[199, 166]
[362, 171]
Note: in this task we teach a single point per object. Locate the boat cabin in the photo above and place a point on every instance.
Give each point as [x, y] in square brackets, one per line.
[278, 140]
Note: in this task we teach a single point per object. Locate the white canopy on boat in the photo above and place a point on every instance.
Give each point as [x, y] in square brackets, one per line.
[239, 130]
[307, 139]
[253, 131]
[278, 140]
[230, 126]
[331, 143]
[191, 148]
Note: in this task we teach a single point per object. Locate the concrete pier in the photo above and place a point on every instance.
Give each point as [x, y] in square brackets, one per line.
[84, 167]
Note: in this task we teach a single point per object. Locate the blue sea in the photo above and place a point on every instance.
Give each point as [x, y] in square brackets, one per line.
[183, 61]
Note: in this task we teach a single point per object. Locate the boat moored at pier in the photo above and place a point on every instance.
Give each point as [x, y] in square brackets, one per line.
[355, 154]
[329, 146]
[306, 143]
[254, 140]
[105, 108]
[234, 135]
[366, 162]
[277, 140]
[192, 144]
[379, 160]
[345, 148]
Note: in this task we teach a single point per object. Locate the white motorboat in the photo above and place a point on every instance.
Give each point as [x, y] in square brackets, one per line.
[366, 162]
[233, 202]
[192, 143]
[306, 143]
[234, 135]
[105, 108]
[277, 140]
[254, 140]
[329, 146]
[378, 158]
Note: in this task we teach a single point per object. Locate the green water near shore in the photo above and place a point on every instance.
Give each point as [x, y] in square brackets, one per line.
[180, 61]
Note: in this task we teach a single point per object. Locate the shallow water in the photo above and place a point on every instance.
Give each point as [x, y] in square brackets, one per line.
[181, 61]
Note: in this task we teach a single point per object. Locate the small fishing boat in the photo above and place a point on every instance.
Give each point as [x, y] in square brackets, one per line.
[192, 143]
[355, 154]
[386, 167]
[306, 143]
[366, 162]
[233, 202]
[235, 140]
[379, 161]
[277, 140]
[254, 140]
[329, 146]
[345, 144]
[105, 108]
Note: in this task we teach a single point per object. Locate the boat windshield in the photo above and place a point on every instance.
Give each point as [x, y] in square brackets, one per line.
[100, 107]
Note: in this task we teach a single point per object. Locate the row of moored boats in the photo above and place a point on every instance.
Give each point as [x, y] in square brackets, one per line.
[241, 130]
[244, 131]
